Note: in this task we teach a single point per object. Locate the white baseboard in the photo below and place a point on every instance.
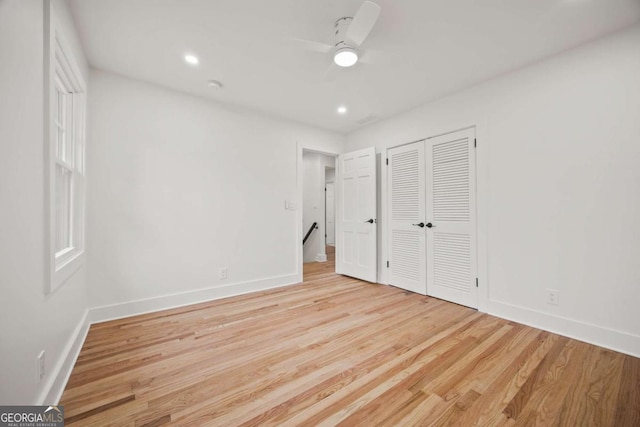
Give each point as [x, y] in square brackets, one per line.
[54, 388]
[149, 305]
[620, 341]
[321, 258]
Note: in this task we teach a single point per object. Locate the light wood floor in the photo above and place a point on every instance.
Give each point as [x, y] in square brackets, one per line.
[338, 351]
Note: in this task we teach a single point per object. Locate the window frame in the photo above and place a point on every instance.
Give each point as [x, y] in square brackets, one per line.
[62, 72]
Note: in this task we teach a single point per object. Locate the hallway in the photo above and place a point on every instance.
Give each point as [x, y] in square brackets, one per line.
[318, 270]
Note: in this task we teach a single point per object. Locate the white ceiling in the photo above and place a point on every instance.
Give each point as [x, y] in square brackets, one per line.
[418, 51]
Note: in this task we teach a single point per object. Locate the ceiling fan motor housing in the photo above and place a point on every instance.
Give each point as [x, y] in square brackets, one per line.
[340, 31]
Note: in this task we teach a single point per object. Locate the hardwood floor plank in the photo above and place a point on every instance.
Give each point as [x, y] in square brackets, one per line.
[301, 341]
[303, 362]
[425, 367]
[449, 364]
[337, 351]
[391, 372]
[467, 385]
[479, 364]
[535, 380]
[585, 401]
[628, 403]
[452, 416]
[160, 421]
[547, 401]
[423, 413]
[99, 399]
[497, 392]
[99, 410]
[333, 391]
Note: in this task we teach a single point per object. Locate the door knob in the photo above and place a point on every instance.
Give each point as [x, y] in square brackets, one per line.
[370, 221]
[421, 225]
[429, 225]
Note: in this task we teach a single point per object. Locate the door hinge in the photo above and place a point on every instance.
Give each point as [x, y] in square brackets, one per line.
[387, 162]
[475, 142]
[387, 264]
[476, 282]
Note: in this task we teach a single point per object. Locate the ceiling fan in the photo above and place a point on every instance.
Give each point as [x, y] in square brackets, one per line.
[350, 33]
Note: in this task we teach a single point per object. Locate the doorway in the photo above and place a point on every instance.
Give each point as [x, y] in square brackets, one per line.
[317, 170]
[355, 197]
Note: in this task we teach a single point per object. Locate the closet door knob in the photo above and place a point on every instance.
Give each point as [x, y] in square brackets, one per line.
[421, 225]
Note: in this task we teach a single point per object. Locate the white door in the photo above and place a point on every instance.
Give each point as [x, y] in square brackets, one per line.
[407, 214]
[356, 222]
[451, 218]
[330, 214]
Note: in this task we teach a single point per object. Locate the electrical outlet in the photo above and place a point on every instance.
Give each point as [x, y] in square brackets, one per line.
[41, 366]
[553, 296]
[222, 273]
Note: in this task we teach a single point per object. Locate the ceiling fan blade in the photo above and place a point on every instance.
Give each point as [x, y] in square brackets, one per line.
[330, 75]
[383, 56]
[369, 56]
[313, 46]
[362, 23]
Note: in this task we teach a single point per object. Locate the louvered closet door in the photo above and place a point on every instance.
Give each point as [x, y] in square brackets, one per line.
[450, 198]
[407, 261]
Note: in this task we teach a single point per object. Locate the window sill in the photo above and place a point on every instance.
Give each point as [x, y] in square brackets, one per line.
[65, 270]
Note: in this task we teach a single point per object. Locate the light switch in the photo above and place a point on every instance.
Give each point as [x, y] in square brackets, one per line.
[290, 205]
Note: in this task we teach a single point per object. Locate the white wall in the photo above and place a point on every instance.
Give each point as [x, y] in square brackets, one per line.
[181, 187]
[558, 187]
[30, 321]
[313, 179]
[330, 174]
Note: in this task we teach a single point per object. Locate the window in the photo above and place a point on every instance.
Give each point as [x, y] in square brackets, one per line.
[64, 145]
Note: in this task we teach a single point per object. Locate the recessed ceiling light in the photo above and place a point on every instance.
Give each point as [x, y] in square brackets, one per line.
[191, 59]
[214, 84]
[345, 56]
[342, 109]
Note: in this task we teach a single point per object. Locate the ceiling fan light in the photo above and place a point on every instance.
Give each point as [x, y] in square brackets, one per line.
[345, 56]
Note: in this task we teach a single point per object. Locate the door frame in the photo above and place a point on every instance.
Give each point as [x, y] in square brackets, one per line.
[482, 174]
[326, 187]
[300, 149]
